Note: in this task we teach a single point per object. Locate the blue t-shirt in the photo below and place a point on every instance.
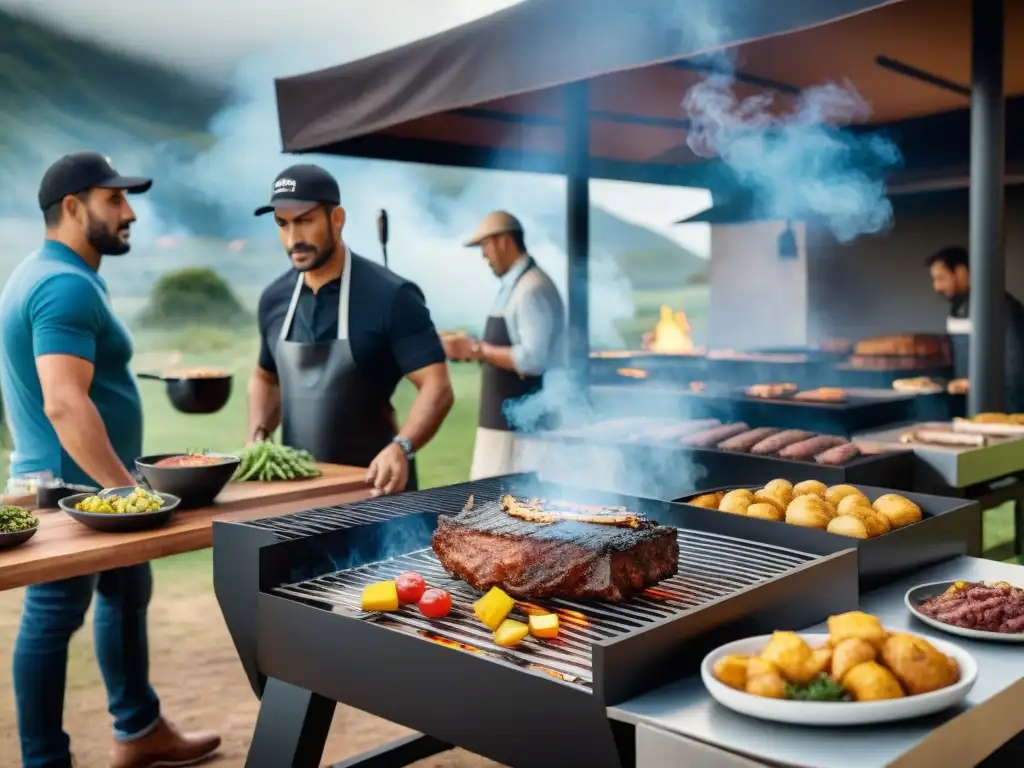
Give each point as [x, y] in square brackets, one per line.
[55, 304]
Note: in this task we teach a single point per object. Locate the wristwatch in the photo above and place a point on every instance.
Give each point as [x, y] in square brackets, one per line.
[406, 446]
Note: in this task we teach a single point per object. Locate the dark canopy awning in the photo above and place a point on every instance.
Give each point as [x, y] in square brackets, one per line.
[490, 93]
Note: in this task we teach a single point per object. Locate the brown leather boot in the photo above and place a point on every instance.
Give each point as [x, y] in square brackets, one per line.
[164, 747]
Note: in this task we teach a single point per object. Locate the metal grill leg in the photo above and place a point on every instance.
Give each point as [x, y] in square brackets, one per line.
[398, 753]
[291, 728]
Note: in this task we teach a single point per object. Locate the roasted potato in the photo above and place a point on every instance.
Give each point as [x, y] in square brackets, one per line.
[870, 681]
[848, 654]
[771, 497]
[780, 487]
[856, 624]
[814, 502]
[808, 516]
[735, 504]
[765, 511]
[708, 500]
[917, 664]
[848, 525]
[732, 671]
[875, 523]
[812, 487]
[771, 686]
[819, 661]
[790, 653]
[898, 510]
[835, 493]
[853, 500]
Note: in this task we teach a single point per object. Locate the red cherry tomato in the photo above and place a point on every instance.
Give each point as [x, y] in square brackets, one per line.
[410, 586]
[435, 603]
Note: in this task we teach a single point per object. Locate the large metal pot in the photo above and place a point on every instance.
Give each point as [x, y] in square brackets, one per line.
[198, 394]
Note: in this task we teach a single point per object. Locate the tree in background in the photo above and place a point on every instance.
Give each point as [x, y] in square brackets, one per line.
[194, 296]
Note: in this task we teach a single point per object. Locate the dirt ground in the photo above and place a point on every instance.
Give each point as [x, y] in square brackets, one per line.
[198, 677]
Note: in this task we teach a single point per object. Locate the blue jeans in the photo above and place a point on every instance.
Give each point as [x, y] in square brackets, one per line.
[51, 615]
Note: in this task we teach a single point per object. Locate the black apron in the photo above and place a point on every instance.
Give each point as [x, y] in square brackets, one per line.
[328, 407]
[958, 327]
[497, 385]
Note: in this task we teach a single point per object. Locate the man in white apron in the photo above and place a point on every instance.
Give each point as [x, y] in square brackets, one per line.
[523, 339]
[338, 333]
[951, 278]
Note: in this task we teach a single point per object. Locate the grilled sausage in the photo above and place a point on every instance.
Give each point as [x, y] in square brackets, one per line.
[841, 454]
[778, 441]
[709, 437]
[744, 441]
[807, 449]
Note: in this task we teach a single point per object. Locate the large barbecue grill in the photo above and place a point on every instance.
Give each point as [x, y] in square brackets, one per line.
[290, 591]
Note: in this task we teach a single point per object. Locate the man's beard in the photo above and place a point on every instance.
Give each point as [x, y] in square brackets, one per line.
[323, 255]
[101, 239]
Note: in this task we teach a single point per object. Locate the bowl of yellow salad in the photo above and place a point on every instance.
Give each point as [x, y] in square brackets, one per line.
[121, 509]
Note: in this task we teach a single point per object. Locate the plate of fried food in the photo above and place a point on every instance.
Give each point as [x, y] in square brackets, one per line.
[980, 610]
[857, 674]
[843, 509]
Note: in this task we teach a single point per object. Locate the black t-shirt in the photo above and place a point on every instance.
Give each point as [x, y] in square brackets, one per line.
[390, 329]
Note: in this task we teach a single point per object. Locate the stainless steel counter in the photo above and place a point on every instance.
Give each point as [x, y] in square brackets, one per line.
[681, 724]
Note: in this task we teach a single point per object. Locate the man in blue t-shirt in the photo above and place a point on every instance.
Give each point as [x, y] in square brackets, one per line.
[73, 409]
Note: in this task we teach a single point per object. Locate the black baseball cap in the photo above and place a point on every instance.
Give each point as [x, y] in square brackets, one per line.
[82, 171]
[302, 185]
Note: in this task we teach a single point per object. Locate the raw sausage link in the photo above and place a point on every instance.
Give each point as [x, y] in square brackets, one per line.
[746, 440]
[710, 437]
[841, 454]
[777, 442]
[807, 449]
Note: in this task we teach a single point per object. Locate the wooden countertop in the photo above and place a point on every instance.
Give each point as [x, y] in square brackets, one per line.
[64, 547]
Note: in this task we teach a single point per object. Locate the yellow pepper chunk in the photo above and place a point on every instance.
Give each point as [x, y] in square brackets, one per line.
[544, 625]
[382, 596]
[493, 608]
[510, 633]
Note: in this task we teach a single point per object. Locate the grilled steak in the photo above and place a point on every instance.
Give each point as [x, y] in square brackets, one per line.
[487, 547]
[987, 607]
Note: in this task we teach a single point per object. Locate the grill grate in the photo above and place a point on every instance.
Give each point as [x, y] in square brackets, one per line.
[310, 522]
[711, 566]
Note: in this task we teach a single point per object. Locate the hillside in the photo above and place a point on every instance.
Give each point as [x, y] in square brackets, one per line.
[58, 94]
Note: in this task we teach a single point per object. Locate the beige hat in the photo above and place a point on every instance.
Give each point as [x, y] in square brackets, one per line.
[494, 223]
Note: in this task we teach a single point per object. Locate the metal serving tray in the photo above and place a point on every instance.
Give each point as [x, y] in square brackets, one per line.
[958, 467]
[949, 528]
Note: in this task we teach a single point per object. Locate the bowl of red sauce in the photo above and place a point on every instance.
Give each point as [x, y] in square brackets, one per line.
[195, 478]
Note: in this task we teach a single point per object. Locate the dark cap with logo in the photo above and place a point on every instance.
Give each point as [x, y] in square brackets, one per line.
[302, 185]
[83, 171]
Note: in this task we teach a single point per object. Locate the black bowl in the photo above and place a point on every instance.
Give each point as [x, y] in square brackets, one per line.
[14, 538]
[120, 523]
[48, 497]
[195, 486]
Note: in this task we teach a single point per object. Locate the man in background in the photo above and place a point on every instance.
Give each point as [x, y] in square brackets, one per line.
[951, 277]
[523, 339]
[74, 410]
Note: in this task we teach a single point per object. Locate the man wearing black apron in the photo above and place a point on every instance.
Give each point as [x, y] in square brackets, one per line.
[951, 278]
[522, 340]
[338, 333]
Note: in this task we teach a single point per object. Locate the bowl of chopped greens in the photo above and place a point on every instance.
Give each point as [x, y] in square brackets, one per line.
[119, 510]
[17, 525]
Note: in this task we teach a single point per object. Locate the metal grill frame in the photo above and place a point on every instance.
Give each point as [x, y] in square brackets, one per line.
[303, 657]
[704, 576]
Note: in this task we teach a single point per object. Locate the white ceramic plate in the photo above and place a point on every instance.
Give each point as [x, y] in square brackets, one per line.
[819, 713]
[919, 594]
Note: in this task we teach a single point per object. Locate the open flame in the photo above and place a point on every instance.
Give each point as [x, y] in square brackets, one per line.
[672, 334]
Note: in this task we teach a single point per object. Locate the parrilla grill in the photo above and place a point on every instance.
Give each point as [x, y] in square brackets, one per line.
[290, 590]
[535, 550]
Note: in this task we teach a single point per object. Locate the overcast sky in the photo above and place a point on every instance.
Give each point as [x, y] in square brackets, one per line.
[214, 38]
